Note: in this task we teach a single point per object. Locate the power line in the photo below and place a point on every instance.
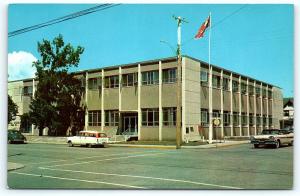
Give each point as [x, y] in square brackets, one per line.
[62, 19]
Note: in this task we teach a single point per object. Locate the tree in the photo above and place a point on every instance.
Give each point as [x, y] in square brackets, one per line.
[12, 109]
[57, 102]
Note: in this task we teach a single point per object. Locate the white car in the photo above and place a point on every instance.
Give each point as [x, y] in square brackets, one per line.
[88, 138]
[273, 137]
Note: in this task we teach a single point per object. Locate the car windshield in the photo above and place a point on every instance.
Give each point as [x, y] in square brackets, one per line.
[270, 132]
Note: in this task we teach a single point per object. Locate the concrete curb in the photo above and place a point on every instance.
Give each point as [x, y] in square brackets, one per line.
[206, 146]
[14, 166]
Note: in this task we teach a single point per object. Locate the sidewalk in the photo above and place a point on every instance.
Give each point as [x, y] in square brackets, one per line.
[63, 140]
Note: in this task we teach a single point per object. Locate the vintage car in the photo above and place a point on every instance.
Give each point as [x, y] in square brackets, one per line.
[273, 137]
[88, 139]
[15, 136]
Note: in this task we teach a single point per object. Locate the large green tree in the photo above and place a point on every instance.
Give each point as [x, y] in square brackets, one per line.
[57, 101]
[12, 109]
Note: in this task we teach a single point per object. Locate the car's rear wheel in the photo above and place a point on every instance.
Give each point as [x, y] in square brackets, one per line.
[70, 144]
[256, 145]
[89, 145]
[277, 144]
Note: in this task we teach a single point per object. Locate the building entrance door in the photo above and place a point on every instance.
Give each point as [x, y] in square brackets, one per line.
[130, 124]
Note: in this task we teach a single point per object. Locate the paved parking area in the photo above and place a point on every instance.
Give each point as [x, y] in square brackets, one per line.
[235, 167]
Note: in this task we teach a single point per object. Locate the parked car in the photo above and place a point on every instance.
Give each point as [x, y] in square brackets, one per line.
[88, 139]
[273, 137]
[15, 136]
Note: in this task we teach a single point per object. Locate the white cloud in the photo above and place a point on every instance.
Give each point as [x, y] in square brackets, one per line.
[20, 65]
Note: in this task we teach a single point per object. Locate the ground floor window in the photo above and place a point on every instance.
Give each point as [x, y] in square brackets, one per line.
[236, 119]
[150, 117]
[258, 121]
[244, 119]
[226, 118]
[111, 117]
[204, 117]
[95, 118]
[169, 116]
[251, 119]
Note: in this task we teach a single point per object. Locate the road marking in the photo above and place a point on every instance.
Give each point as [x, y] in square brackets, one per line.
[139, 155]
[61, 160]
[143, 177]
[80, 180]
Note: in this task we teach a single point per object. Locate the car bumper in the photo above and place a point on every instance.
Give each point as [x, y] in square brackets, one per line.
[265, 142]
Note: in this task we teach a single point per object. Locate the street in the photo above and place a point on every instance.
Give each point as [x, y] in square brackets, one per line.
[236, 167]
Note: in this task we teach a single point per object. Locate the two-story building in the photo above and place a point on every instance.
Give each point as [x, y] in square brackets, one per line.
[142, 96]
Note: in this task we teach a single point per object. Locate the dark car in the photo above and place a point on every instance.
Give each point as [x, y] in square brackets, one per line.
[15, 136]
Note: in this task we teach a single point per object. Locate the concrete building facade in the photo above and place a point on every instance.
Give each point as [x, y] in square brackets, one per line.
[142, 97]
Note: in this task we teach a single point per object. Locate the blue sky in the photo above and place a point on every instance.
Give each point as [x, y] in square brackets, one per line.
[256, 41]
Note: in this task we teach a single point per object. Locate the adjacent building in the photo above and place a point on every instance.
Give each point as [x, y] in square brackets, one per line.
[142, 97]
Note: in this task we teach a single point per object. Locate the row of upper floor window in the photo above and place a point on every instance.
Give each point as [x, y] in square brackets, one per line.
[235, 85]
[131, 79]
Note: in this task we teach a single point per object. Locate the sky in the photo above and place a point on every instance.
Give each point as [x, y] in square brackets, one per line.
[253, 40]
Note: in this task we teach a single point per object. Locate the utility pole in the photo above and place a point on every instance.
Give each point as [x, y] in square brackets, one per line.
[179, 61]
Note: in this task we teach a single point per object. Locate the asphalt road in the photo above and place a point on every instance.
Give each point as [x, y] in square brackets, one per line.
[237, 167]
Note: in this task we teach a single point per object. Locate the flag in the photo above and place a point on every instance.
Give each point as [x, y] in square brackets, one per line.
[202, 29]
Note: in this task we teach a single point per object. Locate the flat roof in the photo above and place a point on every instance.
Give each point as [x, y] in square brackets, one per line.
[153, 61]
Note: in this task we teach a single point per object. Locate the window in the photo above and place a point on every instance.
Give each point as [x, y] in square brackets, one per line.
[95, 118]
[251, 90]
[27, 90]
[150, 117]
[243, 88]
[270, 94]
[235, 86]
[216, 81]
[204, 117]
[129, 79]
[226, 118]
[270, 121]
[244, 119]
[251, 119]
[236, 118]
[226, 84]
[258, 119]
[169, 75]
[150, 77]
[169, 116]
[257, 91]
[216, 114]
[264, 93]
[111, 118]
[204, 78]
[111, 81]
[264, 120]
[94, 83]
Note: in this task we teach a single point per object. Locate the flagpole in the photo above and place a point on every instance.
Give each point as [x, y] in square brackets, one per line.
[210, 131]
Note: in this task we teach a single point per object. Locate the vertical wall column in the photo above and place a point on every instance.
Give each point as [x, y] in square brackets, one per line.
[248, 117]
[240, 105]
[222, 105]
[254, 113]
[231, 106]
[86, 116]
[210, 105]
[120, 98]
[261, 106]
[102, 101]
[160, 111]
[139, 102]
[267, 93]
[183, 112]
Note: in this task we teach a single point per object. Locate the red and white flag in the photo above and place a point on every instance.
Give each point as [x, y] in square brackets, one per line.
[202, 29]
